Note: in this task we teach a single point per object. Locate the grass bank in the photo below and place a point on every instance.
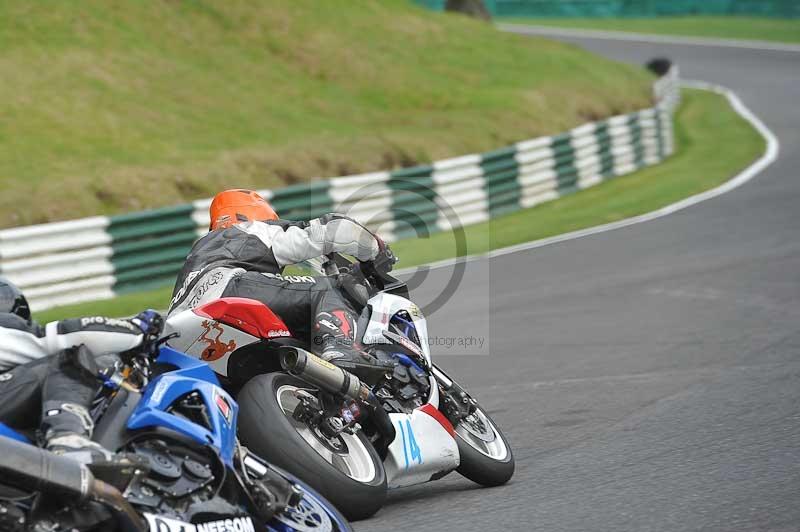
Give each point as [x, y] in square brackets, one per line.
[706, 127]
[753, 28]
[114, 107]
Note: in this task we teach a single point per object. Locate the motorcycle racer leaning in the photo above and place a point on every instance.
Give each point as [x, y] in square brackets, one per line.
[245, 252]
[54, 368]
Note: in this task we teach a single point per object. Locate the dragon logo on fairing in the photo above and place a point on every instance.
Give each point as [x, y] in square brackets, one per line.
[216, 348]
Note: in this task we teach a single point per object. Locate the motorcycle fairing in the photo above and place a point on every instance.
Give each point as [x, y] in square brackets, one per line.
[384, 306]
[247, 315]
[212, 341]
[423, 449]
[164, 390]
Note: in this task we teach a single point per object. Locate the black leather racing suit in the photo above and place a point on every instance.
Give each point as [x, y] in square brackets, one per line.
[247, 260]
[45, 375]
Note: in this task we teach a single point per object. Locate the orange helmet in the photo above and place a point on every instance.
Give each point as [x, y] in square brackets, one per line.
[231, 207]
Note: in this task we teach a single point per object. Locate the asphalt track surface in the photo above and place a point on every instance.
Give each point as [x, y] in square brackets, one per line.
[649, 377]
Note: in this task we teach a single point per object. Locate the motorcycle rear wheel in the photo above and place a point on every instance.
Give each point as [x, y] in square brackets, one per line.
[354, 481]
[486, 457]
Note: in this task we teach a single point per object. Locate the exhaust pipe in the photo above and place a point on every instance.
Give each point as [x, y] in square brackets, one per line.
[126, 516]
[34, 469]
[333, 379]
[322, 373]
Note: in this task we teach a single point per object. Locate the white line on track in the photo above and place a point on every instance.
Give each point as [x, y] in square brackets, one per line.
[648, 37]
[773, 147]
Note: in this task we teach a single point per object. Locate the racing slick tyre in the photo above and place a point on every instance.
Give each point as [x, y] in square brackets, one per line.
[486, 456]
[346, 470]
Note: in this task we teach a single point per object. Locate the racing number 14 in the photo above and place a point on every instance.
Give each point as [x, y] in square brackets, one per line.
[410, 447]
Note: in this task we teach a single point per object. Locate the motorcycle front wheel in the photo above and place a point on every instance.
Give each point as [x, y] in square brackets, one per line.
[345, 470]
[311, 514]
[486, 457]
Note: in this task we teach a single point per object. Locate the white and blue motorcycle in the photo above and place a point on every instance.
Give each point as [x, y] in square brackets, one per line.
[349, 439]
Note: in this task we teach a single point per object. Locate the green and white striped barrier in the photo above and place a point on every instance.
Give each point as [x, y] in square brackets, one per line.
[99, 257]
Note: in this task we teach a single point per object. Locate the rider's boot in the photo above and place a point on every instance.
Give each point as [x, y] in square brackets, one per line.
[66, 426]
[334, 332]
[67, 431]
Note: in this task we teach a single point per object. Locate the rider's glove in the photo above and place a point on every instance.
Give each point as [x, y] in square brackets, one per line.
[385, 260]
[151, 324]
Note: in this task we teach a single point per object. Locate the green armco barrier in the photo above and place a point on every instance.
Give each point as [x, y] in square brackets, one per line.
[146, 224]
[154, 276]
[604, 149]
[303, 202]
[414, 200]
[500, 169]
[149, 246]
[633, 8]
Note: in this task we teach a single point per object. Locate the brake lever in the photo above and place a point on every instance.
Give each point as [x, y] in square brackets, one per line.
[330, 267]
[142, 361]
[166, 339]
[151, 351]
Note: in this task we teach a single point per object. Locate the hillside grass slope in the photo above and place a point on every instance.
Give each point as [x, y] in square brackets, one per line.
[114, 106]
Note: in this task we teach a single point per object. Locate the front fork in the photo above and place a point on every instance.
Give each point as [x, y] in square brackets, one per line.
[268, 490]
[455, 403]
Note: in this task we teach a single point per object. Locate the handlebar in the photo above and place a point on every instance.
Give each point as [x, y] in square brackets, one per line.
[141, 364]
[364, 273]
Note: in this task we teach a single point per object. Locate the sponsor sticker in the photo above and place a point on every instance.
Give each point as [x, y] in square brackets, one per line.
[291, 278]
[159, 523]
[185, 286]
[333, 355]
[274, 333]
[223, 406]
[405, 342]
[158, 393]
[202, 288]
[110, 322]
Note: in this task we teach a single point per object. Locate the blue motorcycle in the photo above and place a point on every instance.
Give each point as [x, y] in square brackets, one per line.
[183, 468]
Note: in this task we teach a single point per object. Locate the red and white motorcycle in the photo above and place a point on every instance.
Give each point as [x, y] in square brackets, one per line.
[348, 439]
